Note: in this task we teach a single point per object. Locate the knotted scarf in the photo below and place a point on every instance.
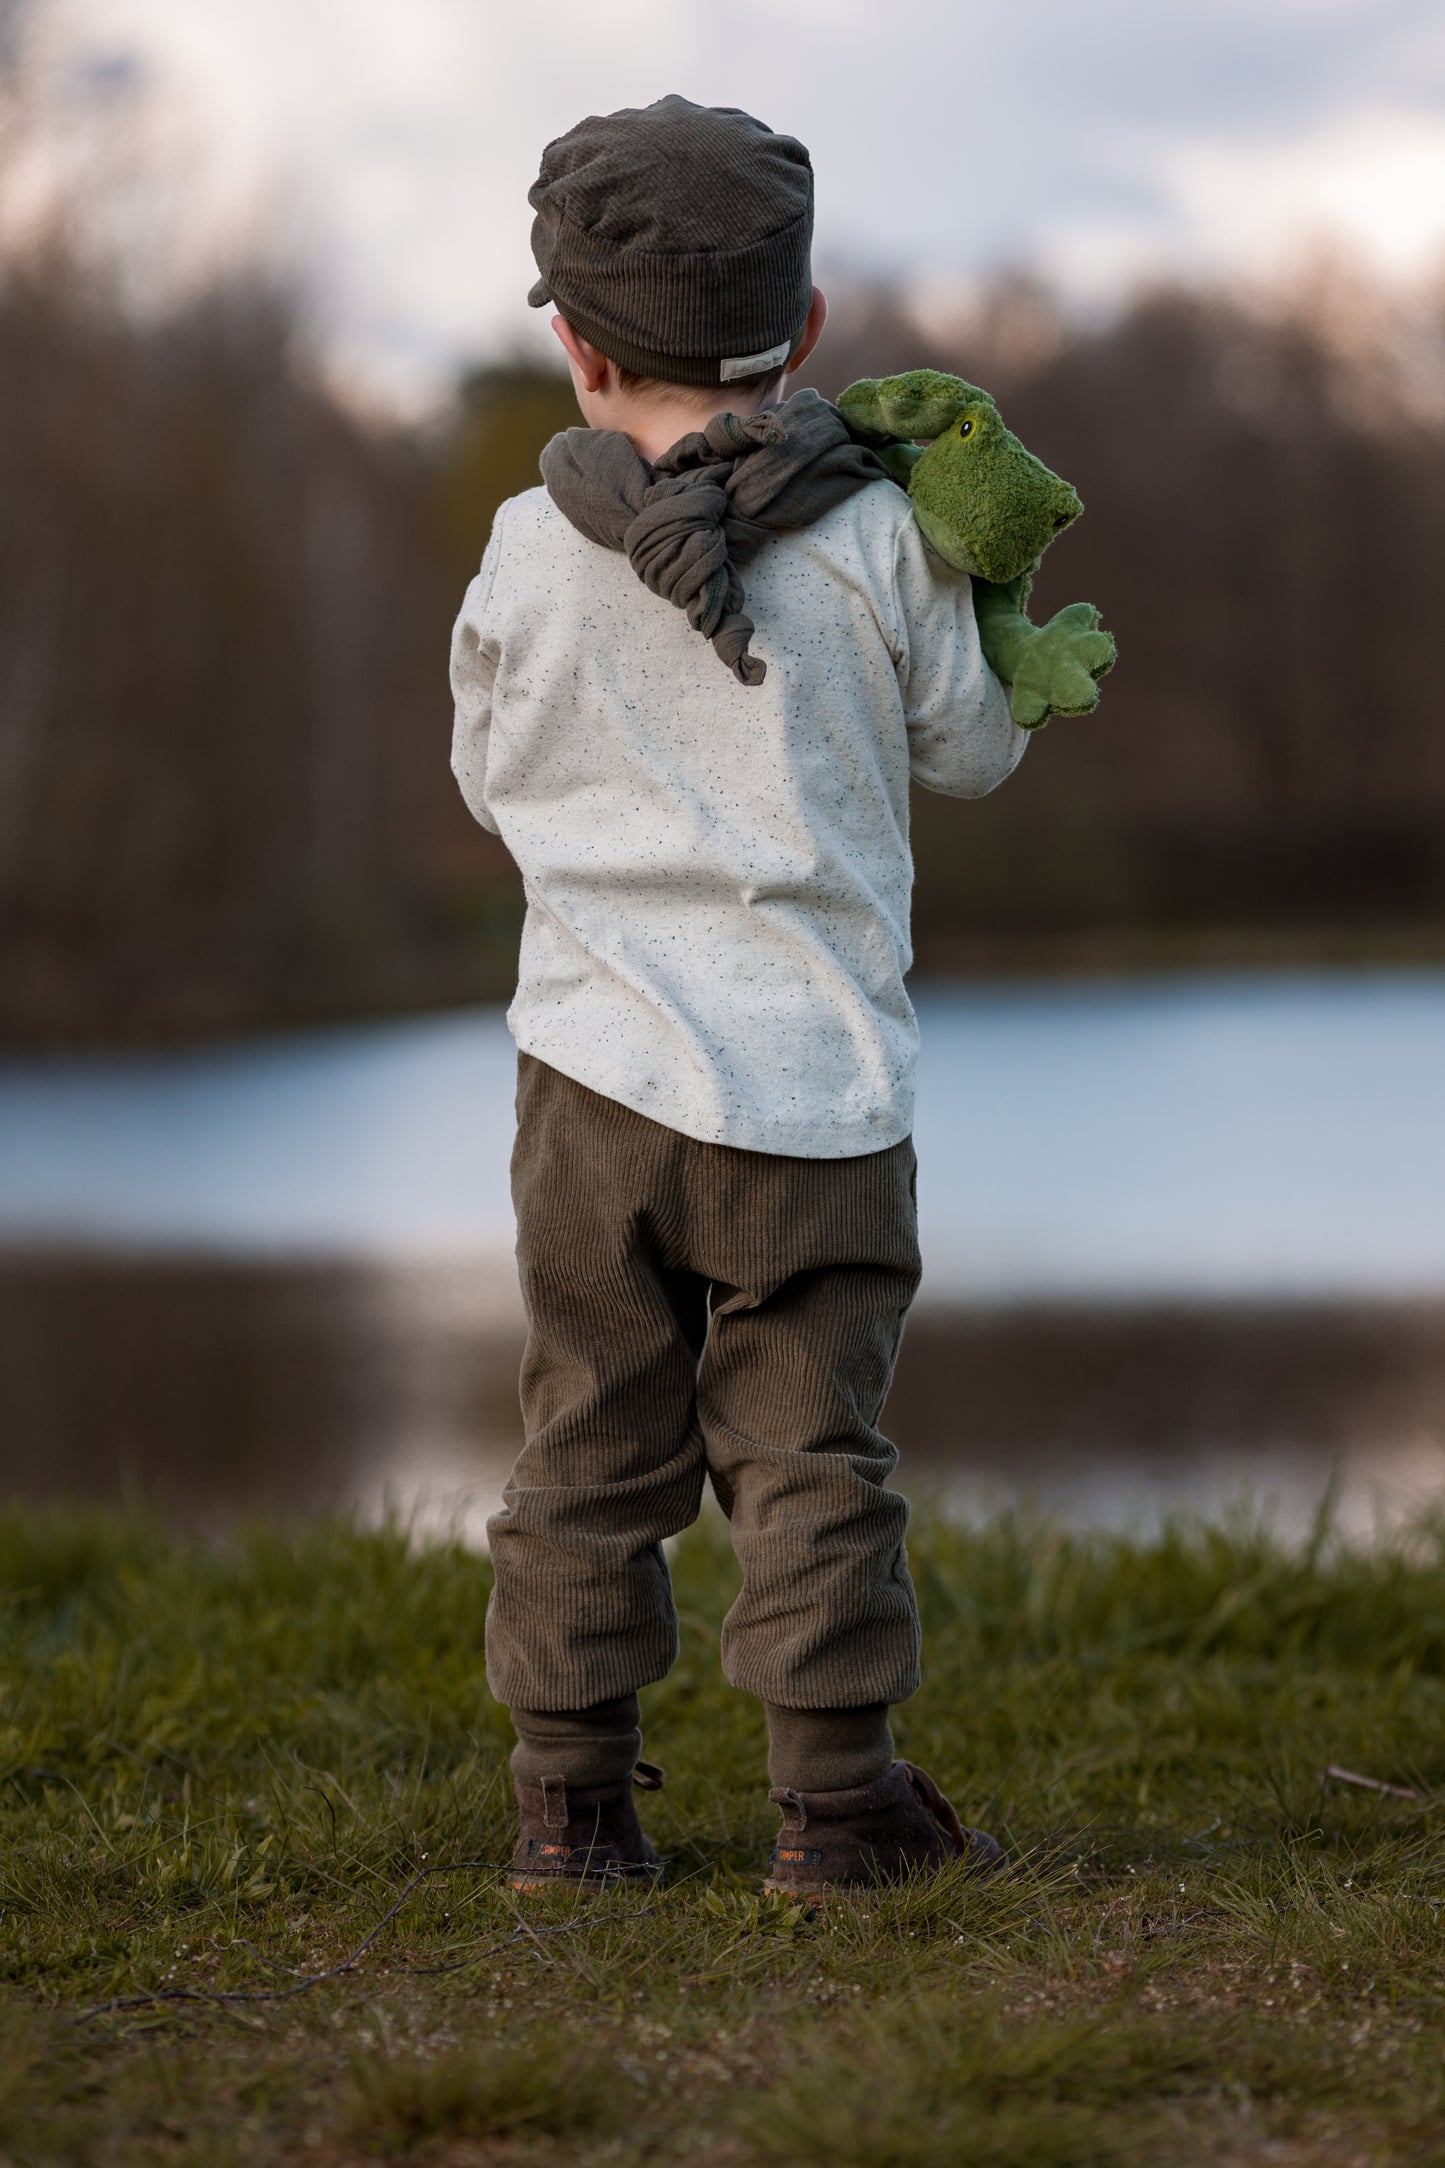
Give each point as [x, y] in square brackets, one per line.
[689, 519]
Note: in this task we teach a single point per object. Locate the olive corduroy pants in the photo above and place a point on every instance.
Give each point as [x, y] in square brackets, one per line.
[698, 1312]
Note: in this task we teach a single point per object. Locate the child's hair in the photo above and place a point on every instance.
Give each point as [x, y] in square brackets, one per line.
[701, 396]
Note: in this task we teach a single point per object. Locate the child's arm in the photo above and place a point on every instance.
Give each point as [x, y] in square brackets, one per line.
[474, 670]
[962, 740]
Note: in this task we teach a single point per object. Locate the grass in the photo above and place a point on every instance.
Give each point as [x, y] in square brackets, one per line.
[221, 1767]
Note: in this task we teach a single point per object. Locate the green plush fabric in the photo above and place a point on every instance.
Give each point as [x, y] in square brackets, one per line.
[1050, 669]
[991, 509]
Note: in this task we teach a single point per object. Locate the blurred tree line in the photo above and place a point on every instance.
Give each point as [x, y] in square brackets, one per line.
[1264, 532]
[225, 602]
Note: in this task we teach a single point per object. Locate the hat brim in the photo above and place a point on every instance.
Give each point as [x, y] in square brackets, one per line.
[540, 295]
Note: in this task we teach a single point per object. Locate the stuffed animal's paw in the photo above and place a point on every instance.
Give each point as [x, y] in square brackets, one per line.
[1061, 667]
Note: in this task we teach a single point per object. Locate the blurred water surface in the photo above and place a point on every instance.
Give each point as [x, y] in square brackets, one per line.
[1182, 1238]
[1266, 1136]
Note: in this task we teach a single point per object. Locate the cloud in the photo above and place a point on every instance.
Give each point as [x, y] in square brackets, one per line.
[386, 146]
[1367, 186]
[1374, 178]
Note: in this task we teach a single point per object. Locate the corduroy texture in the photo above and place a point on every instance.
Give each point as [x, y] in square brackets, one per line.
[600, 1745]
[689, 519]
[828, 1750]
[699, 1311]
[676, 236]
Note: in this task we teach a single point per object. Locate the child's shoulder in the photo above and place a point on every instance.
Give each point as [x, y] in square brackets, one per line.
[868, 543]
[532, 546]
[881, 512]
[872, 540]
[525, 519]
[878, 513]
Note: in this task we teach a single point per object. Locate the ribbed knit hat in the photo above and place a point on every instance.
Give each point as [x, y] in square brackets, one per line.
[677, 239]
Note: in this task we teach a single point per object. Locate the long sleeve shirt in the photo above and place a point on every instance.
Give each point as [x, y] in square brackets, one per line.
[718, 875]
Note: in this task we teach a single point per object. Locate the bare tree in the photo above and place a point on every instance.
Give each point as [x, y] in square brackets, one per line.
[224, 607]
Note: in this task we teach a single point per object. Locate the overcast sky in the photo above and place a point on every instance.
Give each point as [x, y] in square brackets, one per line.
[382, 149]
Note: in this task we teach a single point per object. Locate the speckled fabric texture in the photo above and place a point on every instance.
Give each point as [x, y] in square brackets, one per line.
[718, 875]
[701, 1314]
[688, 520]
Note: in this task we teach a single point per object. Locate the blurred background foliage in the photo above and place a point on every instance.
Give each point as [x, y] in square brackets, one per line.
[225, 600]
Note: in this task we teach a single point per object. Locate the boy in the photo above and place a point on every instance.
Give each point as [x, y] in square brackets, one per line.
[704, 781]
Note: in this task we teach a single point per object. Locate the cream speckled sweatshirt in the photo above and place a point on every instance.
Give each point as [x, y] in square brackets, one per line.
[718, 875]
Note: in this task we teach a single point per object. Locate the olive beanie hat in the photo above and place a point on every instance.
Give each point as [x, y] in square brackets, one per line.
[677, 239]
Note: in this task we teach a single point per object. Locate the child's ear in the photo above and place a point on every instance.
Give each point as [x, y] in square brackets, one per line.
[812, 329]
[591, 367]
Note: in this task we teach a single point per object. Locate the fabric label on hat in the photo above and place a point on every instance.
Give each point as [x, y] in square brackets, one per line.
[737, 365]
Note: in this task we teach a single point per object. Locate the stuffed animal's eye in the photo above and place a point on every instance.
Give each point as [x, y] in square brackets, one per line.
[965, 428]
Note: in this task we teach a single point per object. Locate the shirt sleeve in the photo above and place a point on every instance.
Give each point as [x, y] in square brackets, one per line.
[475, 654]
[962, 741]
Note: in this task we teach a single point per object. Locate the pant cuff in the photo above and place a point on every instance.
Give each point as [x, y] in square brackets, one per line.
[828, 1750]
[599, 1745]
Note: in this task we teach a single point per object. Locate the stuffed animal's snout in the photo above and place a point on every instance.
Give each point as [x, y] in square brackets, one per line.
[918, 405]
[991, 510]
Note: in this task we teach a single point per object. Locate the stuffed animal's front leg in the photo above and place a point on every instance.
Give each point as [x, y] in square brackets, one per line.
[1051, 669]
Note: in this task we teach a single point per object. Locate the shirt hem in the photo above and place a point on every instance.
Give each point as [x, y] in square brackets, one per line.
[779, 1140]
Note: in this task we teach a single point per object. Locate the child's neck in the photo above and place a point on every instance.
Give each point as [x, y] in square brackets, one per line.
[655, 423]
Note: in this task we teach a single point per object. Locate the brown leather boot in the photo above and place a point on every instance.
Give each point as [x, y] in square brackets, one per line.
[899, 1825]
[586, 1836]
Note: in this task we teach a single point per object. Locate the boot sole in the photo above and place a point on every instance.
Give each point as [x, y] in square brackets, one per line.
[873, 1887]
[830, 1892]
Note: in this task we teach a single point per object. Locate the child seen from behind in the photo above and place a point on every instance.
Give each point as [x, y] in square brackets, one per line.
[693, 679]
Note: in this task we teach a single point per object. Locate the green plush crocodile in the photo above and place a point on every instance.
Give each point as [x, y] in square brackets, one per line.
[989, 508]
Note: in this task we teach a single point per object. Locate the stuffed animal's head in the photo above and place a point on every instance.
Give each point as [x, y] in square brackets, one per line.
[981, 498]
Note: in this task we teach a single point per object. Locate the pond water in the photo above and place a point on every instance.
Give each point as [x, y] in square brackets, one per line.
[1180, 1237]
[1263, 1136]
